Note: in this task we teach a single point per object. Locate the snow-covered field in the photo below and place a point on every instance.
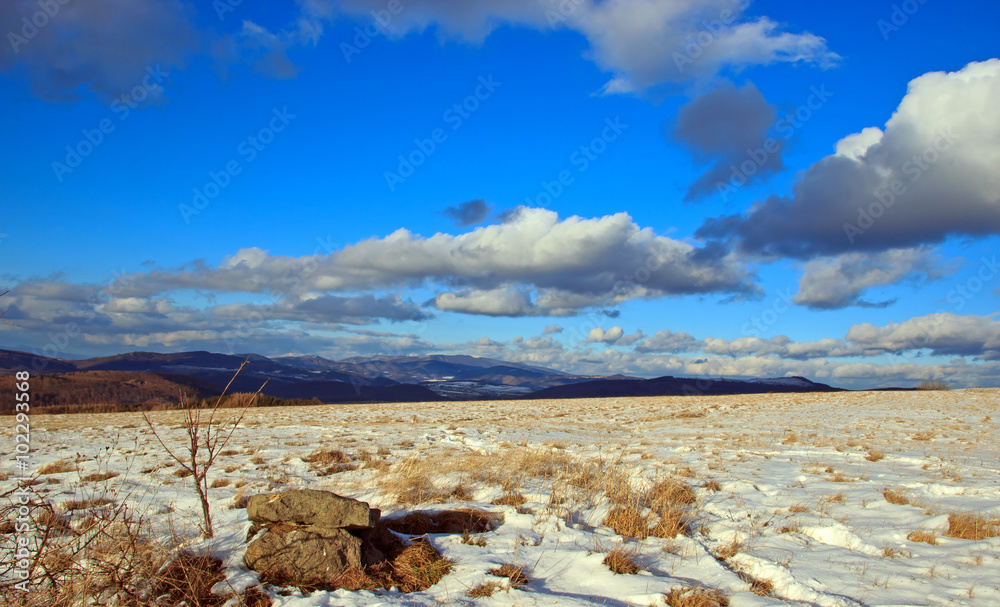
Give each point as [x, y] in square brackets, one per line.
[798, 503]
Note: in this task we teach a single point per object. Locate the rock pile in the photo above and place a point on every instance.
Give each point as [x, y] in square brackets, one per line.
[312, 537]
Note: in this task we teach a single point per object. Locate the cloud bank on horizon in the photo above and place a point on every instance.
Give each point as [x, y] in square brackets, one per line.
[905, 201]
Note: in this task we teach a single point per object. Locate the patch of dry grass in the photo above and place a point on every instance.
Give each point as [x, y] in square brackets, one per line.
[515, 573]
[895, 497]
[696, 597]
[510, 499]
[970, 526]
[923, 535]
[621, 561]
[484, 589]
[57, 467]
[98, 477]
[875, 455]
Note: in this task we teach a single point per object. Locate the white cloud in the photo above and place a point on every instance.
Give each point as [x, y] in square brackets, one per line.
[837, 282]
[599, 335]
[931, 174]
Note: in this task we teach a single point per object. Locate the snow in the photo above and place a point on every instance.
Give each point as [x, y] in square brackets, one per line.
[800, 494]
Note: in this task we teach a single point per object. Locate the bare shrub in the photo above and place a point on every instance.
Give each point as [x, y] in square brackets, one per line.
[933, 384]
[207, 436]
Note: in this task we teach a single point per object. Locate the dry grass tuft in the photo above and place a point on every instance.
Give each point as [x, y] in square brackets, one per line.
[729, 550]
[464, 520]
[895, 497]
[621, 561]
[969, 526]
[484, 589]
[98, 477]
[221, 482]
[628, 521]
[923, 535]
[327, 457]
[189, 579]
[892, 553]
[696, 597]
[670, 492]
[86, 503]
[57, 467]
[712, 486]
[875, 455]
[758, 586]
[513, 572]
[510, 499]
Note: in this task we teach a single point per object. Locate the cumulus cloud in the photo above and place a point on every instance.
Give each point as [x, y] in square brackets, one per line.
[930, 174]
[599, 335]
[551, 329]
[723, 127]
[572, 263]
[641, 43]
[669, 341]
[837, 282]
[491, 302]
[468, 213]
[103, 47]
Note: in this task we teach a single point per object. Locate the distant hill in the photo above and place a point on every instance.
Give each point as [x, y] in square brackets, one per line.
[680, 386]
[153, 377]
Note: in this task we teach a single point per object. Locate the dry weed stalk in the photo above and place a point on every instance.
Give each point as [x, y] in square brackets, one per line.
[206, 439]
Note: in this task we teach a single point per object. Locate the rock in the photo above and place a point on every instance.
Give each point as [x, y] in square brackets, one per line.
[312, 507]
[307, 556]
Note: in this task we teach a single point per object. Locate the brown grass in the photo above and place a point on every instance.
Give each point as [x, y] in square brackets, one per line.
[510, 499]
[970, 526]
[758, 586]
[923, 535]
[464, 520]
[98, 477]
[484, 589]
[86, 503]
[326, 457]
[621, 561]
[696, 597]
[875, 455]
[628, 521]
[712, 486]
[895, 497]
[221, 482]
[57, 467]
[189, 579]
[513, 572]
[729, 550]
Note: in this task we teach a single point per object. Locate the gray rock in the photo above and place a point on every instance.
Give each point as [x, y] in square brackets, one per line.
[311, 507]
[310, 556]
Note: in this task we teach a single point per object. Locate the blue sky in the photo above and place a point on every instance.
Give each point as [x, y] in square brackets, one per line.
[627, 266]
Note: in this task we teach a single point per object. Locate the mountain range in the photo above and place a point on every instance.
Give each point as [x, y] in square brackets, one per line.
[359, 379]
